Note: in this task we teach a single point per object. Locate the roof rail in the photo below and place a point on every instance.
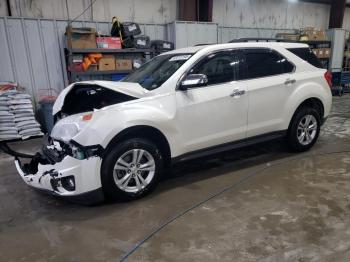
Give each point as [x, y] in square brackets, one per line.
[204, 44]
[257, 39]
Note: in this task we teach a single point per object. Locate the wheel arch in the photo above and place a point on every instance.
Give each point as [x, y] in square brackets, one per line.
[148, 132]
[312, 102]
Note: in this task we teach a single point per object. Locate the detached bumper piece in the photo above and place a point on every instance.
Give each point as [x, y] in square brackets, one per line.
[66, 170]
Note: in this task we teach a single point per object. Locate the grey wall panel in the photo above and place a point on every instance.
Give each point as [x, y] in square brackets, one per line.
[19, 55]
[191, 33]
[37, 59]
[3, 8]
[154, 31]
[150, 11]
[270, 14]
[228, 33]
[53, 58]
[6, 66]
[103, 28]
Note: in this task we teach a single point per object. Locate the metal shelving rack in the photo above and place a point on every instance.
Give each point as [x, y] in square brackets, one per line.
[130, 52]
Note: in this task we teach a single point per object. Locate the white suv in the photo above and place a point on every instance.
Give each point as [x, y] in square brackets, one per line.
[115, 139]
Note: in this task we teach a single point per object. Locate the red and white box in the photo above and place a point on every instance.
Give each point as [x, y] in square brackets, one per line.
[108, 42]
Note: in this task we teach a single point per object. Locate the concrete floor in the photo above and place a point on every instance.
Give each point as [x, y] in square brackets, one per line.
[265, 204]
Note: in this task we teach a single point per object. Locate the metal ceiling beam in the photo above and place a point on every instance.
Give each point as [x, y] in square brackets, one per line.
[337, 13]
[326, 2]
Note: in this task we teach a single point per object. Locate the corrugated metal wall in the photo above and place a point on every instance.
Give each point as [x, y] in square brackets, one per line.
[32, 52]
[270, 14]
[225, 34]
[141, 11]
[184, 34]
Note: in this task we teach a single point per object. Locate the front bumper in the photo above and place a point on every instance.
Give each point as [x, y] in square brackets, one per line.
[70, 177]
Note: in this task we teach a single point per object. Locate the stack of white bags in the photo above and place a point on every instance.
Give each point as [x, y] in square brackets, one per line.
[17, 116]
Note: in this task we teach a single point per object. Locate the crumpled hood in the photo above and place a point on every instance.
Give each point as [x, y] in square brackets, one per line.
[131, 89]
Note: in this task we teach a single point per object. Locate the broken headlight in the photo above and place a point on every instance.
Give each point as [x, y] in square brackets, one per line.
[78, 153]
[67, 128]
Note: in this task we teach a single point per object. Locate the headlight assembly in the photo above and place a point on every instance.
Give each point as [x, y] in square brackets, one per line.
[67, 128]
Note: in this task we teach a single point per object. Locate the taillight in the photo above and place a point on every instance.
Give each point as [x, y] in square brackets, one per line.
[328, 77]
[87, 117]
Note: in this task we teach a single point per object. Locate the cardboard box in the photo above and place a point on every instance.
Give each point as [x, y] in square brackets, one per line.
[326, 52]
[81, 38]
[123, 64]
[320, 53]
[286, 36]
[313, 33]
[106, 63]
[108, 42]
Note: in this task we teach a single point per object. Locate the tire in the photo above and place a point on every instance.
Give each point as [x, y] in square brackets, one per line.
[115, 170]
[295, 139]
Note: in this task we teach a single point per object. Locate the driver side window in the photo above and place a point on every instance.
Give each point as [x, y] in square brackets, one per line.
[219, 68]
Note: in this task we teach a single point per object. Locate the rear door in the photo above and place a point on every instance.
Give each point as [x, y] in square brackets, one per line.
[269, 81]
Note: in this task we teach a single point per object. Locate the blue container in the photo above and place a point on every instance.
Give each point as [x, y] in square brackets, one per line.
[46, 108]
[118, 77]
[336, 78]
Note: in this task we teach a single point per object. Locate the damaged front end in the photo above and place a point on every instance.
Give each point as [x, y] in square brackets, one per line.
[70, 161]
[66, 169]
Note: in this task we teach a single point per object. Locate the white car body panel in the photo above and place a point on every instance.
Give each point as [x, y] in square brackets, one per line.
[84, 172]
[195, 119]
[211, 117]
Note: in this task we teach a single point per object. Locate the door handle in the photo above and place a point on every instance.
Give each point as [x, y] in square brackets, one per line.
[289, 81]
[237, 92]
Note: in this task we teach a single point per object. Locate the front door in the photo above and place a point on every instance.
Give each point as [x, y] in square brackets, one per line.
[216, 113]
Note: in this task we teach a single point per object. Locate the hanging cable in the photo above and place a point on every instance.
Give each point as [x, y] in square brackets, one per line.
[67, 10]
[90, 6]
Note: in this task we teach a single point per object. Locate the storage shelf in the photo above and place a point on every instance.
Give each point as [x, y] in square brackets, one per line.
[101, 50]
[109, 72]
[316, 42]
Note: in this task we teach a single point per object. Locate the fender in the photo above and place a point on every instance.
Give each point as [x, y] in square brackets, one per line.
[303, 92]
[107, 124]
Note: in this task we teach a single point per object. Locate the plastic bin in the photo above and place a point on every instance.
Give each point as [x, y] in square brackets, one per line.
[46, 109]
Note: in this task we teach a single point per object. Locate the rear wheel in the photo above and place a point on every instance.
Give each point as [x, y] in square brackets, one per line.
[131, 169]
[304, 129]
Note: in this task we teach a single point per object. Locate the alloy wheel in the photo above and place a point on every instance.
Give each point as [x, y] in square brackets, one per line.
[307, 129]
[134, 170]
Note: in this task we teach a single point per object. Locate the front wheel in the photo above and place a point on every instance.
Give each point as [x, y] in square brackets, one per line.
[304, 129]
[131, 169]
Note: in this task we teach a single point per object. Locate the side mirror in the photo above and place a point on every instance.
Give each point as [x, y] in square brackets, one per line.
[193, 80]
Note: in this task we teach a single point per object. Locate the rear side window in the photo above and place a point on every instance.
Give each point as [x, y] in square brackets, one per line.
[263, 63]
[307, 55]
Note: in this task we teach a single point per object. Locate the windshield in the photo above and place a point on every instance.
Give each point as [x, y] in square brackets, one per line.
[154, 73]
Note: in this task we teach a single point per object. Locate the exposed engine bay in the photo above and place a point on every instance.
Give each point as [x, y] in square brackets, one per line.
[88, 97]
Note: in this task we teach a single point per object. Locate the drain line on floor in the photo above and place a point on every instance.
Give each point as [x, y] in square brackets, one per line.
[241, 181]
